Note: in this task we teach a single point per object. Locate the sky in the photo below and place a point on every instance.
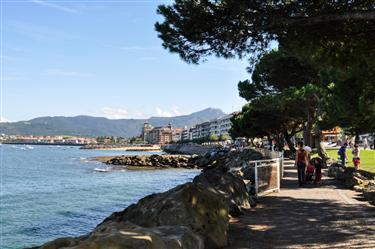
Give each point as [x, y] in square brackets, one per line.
[102, 58]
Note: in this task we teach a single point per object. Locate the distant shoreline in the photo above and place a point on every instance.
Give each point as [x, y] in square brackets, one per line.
[33, 143]
[130, 149]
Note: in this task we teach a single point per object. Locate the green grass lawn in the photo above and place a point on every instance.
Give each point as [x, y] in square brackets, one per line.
[367, 159]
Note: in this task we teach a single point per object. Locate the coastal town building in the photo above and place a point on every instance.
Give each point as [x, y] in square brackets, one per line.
[202, 130]
[194, 133]
[177, 134]
[157, 135]
[146, 130]
[186, 134]
[167, 134]
[218, 127]
[221, 126]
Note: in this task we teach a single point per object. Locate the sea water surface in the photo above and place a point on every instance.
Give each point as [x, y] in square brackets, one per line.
[49, 191]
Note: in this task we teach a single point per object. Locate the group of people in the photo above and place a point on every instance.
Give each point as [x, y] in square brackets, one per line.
[307, 168]
[355, 152]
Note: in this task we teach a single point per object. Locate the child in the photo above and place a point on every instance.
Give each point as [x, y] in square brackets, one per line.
[342, 154]
[356, 158]
[317, 161]
[310, 172]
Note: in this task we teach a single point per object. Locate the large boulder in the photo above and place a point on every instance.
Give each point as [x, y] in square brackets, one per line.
[231, 187]
[369, 194]
[125, 235]
[191, 205]
[352, 180]
[336, 170]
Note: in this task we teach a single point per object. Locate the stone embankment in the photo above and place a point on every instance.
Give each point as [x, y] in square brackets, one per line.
[194, 215]
[361, 181]
[190, 149]
[121, 147]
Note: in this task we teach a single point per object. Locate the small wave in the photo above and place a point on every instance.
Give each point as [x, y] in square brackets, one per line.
[101, 170]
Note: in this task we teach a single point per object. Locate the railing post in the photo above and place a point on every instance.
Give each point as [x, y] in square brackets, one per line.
[256, 179]
[282, 165]
[278, 175]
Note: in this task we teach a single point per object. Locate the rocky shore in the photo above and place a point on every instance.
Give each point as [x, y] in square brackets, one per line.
[194, 215]
[361, 181]
[155, 161]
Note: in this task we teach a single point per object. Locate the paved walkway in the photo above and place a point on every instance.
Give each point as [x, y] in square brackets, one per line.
[326, 216]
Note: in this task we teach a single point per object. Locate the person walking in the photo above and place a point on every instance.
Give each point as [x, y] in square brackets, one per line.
[356, 158]
[342, 154]
[365, 143]
[301, 163]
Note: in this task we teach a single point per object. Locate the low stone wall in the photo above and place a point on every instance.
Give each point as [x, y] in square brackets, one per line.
[189, 149]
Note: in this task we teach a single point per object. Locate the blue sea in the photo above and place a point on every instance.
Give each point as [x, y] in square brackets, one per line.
[49, 191]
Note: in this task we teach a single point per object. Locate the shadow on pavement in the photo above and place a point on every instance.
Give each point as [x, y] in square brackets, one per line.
[288, 222]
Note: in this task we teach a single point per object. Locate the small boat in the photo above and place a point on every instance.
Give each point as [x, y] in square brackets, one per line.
[29, 147]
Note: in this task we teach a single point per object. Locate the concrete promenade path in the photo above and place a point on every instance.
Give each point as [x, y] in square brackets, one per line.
[325, 216]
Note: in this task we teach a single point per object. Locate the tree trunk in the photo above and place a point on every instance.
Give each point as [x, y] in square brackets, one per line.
[320, 146]
[356, 136]
[307, 130]
[288, 140]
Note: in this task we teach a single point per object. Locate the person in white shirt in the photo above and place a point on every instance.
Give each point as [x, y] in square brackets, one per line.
[356, 157]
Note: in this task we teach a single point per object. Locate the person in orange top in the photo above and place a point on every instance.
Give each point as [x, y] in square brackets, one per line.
[301, 163]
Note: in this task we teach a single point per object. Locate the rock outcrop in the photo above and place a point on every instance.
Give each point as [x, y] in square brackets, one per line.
[231, 187]
[120, 235]
[202, 209]
[191, 215]
[359, 181]
[155, 161]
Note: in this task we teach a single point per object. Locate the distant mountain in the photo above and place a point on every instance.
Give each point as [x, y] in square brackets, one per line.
[98, 126]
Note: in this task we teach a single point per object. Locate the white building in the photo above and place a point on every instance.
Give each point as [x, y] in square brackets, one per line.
[218, 127]
[186, 134]
[223, 125]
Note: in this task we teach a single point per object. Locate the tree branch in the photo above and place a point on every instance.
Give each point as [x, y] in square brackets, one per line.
[322, 18]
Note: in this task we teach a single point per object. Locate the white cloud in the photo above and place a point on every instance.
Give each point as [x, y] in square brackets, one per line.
[55, 6]
[162, 113]
[65, 73]
[4, 120]
[115, 113]
[176, 111]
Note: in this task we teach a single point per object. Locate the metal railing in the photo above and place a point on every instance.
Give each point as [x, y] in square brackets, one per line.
[267, 175]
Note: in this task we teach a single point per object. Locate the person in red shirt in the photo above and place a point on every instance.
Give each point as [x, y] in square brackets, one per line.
[301, 163]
